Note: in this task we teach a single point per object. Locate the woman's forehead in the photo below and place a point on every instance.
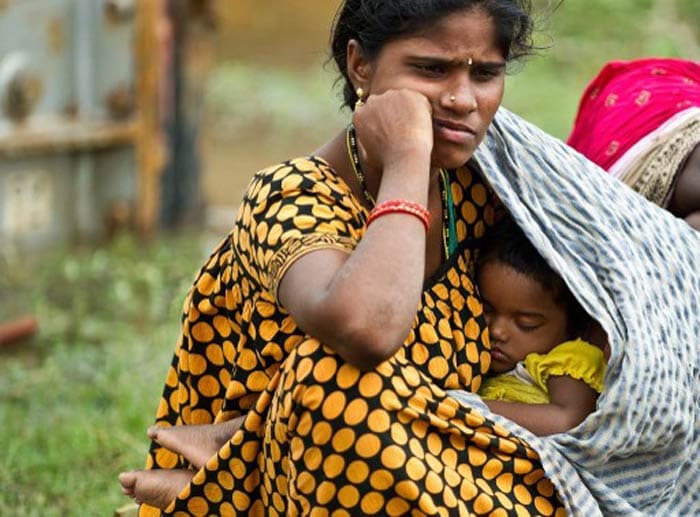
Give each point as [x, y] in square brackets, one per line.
[467, 29]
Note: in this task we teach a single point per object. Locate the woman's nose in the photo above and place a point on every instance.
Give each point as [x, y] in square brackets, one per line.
[462, 96]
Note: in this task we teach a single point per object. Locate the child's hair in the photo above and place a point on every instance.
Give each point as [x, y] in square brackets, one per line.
[505, 242]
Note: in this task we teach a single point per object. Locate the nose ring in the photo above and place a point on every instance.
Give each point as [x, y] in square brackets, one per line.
[452, 98]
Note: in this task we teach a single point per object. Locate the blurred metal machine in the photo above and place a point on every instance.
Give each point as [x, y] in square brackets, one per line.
[80, 139]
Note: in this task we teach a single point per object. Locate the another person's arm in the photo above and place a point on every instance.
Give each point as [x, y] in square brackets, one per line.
[571, 400]
[693, 220]
[685, 200]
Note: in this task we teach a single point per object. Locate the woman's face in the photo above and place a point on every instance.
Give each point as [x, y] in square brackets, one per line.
[436, 62]
[523, 317]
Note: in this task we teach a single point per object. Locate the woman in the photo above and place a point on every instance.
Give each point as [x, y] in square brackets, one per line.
[640, 121]
[425, 79]
[301, 338]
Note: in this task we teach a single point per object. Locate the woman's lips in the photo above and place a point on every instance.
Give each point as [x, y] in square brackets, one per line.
[454, 132]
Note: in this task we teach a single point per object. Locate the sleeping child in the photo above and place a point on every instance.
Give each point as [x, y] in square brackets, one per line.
[544, 376]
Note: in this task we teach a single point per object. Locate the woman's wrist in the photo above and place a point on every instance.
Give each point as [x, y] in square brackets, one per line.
[401, 206]
[415, 160]
[407, 178]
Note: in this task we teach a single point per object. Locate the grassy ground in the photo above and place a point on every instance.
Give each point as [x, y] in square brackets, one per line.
[75, 400]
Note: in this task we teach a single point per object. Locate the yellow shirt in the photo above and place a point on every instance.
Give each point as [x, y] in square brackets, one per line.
[527, 382]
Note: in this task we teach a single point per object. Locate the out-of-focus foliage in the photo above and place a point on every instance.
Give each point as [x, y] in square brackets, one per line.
[689, 10]
[581, 37]
[281, 102]
[75, 401]
[577, 38]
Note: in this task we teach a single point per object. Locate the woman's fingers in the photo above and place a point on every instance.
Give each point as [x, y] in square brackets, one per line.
[392, 124]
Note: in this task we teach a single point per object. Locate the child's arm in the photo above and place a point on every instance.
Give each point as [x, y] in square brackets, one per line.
[571, 400]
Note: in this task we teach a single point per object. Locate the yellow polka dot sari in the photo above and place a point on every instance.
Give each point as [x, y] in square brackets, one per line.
[321, 437]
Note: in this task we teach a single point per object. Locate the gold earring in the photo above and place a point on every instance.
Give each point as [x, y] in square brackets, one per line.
[360, 94]
[470, 62]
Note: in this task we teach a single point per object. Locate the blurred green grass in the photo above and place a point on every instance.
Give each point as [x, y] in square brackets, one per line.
[76, 399]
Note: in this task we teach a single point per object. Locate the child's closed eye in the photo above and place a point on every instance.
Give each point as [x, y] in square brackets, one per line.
[528, 327]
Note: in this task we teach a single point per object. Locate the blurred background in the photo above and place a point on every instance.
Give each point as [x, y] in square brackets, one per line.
[128, 132]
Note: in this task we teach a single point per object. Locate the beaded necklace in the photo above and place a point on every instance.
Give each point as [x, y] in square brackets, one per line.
[351, 143]
[449, 231]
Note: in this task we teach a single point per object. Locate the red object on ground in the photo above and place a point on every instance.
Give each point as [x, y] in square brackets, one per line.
[23, 327]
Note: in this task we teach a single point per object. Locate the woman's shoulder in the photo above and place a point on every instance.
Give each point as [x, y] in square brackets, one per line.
[303, 173]
[311, 166]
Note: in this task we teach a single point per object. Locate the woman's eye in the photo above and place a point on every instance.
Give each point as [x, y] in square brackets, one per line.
[430, 69]
[483, 75]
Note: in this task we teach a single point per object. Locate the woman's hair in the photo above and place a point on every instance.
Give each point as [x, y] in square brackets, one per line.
[374, 23]
[506, 243]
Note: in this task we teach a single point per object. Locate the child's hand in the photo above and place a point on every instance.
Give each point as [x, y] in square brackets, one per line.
[596, 335]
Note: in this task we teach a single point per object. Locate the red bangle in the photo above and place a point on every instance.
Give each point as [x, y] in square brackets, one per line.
[401, 206]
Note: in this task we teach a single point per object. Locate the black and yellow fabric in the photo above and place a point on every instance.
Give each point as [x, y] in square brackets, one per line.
[321, 437]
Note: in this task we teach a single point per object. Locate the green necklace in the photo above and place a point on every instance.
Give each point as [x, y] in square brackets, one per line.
[449, 229]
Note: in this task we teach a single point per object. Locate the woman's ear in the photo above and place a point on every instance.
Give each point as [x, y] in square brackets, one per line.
[359, 68]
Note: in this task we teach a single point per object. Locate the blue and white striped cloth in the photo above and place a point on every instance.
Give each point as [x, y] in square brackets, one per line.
[636, 269]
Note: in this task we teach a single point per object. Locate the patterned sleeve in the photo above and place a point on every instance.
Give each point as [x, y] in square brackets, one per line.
[289, 210]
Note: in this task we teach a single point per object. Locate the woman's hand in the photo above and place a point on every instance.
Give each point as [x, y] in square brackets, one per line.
[393, 128]
[362, 305]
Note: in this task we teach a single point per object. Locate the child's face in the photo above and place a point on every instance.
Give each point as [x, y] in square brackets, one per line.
[522, 316]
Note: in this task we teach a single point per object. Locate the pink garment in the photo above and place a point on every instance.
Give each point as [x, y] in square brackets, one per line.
[628, 100]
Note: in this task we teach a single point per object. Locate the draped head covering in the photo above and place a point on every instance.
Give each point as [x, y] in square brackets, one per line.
[633, 268]
[639, 120]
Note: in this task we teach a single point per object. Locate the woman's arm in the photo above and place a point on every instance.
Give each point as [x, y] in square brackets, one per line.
[571, 400]
[363, 304]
